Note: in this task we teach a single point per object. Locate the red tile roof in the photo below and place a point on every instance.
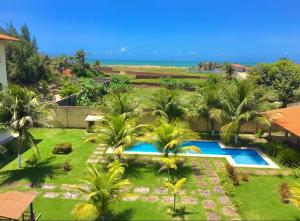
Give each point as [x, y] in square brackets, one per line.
[8, 38]
[287, 118]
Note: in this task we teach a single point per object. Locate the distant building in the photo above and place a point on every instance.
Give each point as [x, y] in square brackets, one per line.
[68, 72]
[239, 68]
[3, 74]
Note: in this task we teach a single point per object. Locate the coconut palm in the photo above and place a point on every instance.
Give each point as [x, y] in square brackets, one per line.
[21, 109]
[168, 163]
[103, 188]
[166, 103]
[240, 104]
[168, 137]
[174, 188]
[118, 133]
[121, 103]
[229, 71]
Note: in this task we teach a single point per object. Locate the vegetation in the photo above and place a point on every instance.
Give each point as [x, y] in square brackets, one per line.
[62, 148]
[119, 84]
[174, 188]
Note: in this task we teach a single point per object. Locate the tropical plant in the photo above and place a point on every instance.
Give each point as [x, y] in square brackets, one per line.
[240, 104]
[104, 188]
[119, 84]
[168, 163]
[229, 71]
[169, 137]
[166, 103]
[175, 188]
[118, 133]
[21, 109]
[118, 104]
[168, 82]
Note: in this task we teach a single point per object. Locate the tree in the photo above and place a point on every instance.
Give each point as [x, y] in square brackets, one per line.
[166, 104]
[118, 104]
[229, 71]
[168, 137]
[20, 110]
[167, 164]
[25, 65]
[241, 103]
[104, 188]
[175, 188]
[282, 76]
[119, 84]
[119, 133]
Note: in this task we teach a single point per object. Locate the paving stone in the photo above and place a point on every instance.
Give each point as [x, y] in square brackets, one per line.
[224, 200]
[84, 187]
[100, 148]
[205, 193]
[189, 200]
[161, 190]
[167, 199]
[212, 173]
[209, 204]
[69, 187]
[48, 186]
[182, 192]
[51, 195]
[141, 190]
[70, 195]
[261, 172]
[215, 180]
[98, 152]
[229, 211]
[130, 198]
[212, 216]
[199, 177]
[272, 172]
[201, 184]
[93, 161]
[151, 199]
[218, 189]
[103, 161]
[101, 145]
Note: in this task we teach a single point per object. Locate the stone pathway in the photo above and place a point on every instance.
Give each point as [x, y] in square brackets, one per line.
[98, 155]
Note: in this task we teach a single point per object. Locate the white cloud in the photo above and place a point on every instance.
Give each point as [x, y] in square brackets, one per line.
[123, 49]
[194, 53]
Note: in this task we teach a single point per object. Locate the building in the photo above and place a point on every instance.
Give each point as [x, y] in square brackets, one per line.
[3, 75]
[239, 68]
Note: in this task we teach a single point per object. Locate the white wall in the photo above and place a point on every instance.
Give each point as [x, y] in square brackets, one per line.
[3, 76]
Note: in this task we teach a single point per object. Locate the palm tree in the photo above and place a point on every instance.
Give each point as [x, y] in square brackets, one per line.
[175, 188]
[118, 132]
[21, 109]
[168, 163]
[103, 189]
[166, 104]
[121, 103]
[168, 137]
[229, 71]
[240, 104]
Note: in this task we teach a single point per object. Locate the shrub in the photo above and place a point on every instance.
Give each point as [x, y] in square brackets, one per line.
[296, 172]
[259, 133]
[66, 166]
[68, 88]
[284, 191]
[119, 84]
[168, 82]
[232, 174]
[63, 148]
[274, 148]
[289, 157]
[245, 177]
[32, 160]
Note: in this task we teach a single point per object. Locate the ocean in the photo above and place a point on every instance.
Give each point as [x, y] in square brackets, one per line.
[169, 63]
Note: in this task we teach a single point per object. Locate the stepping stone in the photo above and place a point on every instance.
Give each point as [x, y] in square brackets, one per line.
[224, 200]
[100, 148]
[70, 195]
[48, 186]
[103, 161]
[126, 188]
[212, 173]
[51, 195]
[92, 161]
[167, 199]
[229, 211]
[84, 187]
[205, 193]
[98, 152]
[218, 189]
[209, 204]
[151, 199]
[161, 190]
[212, 216]
[101, 145]
[261, 172]
[215, 180]
[286, 173]
[92, 157]
[68, 187]
[130, 198]
[189, 200]
[201, 183]
[199, 177]
[141, 190]
[182, 192]
[272, 172]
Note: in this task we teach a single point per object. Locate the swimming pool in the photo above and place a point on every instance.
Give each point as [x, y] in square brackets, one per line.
[238, 157]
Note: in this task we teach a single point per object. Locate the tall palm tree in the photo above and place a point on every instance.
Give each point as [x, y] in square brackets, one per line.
[229, 71]
[168, 137]
[121, 103]
[104, 188]
[175, 188]
[118, 132]
[240, 104]
[166, 103]
[21, 109]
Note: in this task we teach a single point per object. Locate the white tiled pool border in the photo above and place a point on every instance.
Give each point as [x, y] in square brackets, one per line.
[271, 164]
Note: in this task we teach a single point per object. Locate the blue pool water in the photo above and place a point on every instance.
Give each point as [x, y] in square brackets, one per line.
[240, 156]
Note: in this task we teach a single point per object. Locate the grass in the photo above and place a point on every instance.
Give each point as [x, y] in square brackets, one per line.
[261, 201]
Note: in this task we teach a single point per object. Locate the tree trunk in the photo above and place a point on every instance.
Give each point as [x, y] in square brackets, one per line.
[168, 174]
[19, 153]
[236, 138]
[174, 204]
[212, 128]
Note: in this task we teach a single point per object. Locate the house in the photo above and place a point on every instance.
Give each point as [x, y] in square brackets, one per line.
[3, 75]
[239, 68]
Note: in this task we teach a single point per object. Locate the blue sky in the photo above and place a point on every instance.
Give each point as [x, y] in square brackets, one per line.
[195, 30]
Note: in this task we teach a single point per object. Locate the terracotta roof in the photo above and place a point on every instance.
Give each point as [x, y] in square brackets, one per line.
[8, 38]
[237, 66]
[68, 73]
[287, 118]
[13, 204]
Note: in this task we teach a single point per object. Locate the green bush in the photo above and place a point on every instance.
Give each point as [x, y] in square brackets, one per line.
[119, 84]
[63, 148]
[32, 160]
[66, 166]
[274, 148]
[68, 88]
[168, 82]
[289, 157]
